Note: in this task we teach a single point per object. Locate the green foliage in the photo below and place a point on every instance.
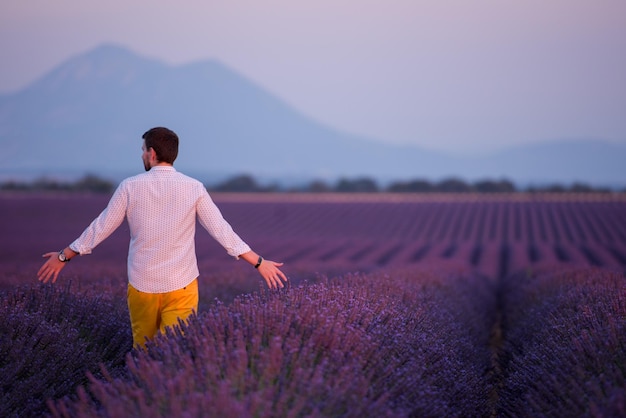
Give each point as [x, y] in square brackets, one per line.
[359, 185]
[88, 183]
[491, 186]
[241, 183]
[246, 183]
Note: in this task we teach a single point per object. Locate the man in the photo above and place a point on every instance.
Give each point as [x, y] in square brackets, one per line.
[161, 207]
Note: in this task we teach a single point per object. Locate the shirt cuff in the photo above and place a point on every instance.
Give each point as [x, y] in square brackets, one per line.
[236, 252]
[74, 247]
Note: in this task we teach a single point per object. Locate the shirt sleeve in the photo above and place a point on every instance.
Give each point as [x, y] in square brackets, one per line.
[212, 220]
[104, 225]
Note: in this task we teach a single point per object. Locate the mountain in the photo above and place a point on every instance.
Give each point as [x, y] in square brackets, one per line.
[88, 115]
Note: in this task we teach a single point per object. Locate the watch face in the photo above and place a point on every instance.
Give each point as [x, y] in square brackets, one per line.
[62, 257]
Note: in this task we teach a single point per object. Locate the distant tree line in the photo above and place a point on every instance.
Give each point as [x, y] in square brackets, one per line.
[88, 183]
[245, 183]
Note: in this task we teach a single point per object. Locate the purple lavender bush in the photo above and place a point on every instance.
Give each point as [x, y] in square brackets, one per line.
[359, 345]
[438, 323]
[50, 338]
[564, 351]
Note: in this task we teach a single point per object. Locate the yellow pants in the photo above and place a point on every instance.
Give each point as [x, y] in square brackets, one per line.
[153, 312]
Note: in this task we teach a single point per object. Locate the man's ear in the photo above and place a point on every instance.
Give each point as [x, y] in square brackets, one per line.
[153, 155]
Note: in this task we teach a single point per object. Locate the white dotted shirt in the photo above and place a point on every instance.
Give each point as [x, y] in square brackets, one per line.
[161, 207]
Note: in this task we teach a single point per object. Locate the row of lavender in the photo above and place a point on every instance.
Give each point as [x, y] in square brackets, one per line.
[357, 346]
[493, 237]
[563, 349]
[50, 338]
[406, 343]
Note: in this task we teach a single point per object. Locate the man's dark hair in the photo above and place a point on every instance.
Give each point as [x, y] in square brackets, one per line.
[164, 142]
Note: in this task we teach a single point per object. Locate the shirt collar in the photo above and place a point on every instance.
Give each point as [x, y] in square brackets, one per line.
[163, 168]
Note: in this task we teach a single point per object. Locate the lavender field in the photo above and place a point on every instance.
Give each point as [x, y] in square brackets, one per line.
[398, 306]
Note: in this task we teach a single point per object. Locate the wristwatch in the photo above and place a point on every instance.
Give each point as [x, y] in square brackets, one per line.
[62, 258]
[258, 263]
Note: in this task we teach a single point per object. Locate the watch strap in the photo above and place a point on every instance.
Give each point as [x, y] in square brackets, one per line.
[258, 263]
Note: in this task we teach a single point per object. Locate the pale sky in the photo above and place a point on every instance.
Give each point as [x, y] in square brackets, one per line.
[454, 75]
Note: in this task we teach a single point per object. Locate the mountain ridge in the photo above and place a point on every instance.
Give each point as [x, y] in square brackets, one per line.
[88, 114]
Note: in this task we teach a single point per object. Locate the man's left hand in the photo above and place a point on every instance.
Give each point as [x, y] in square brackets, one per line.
[51, 268]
